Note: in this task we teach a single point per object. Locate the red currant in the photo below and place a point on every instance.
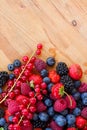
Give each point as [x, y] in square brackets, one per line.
[11, 95]
[16, 91]
[25, 101]
[18, 84]
[32, 100]
[17, 114]
[26, 122]
[10, 83]
[33, 59]
[25, 112]
[44, 91]
[15, 119]
[25, 58]
[39, 97]
[31, 94]
[43, 85]
[32, 109]
[16, 127]
[38, 52]
[17, 71]
[30, 66]
[39, 46]
[29, 116]
[11, 127]
[21, 107]
[27, 72]
[37, 90]
[24, 78]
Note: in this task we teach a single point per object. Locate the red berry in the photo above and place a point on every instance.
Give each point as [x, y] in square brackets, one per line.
[85, 128]
[11, 127]
[26, 123]
[38, 52]
[21, 107]
[43, 85]
[29, 116]
[25, 112]
[18, 84]
[17, 71]
[27, 72]
[25, 102]
[39, 46]
[15, 119]
[44, 91]
[17, 114]
[71, 128]
[31, 94]
[16, 91]
[54, 76]
[32, 109]
[25, 58]
[33, 59]
[39, 97]
[30, 66]
[32, 100]
[16, 127]
[10, 83]
[80, 122]
[37, 90]
[11, 95]
[22, 67]
[24, 78]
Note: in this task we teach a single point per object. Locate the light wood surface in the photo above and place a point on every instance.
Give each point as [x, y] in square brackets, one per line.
[24, 23]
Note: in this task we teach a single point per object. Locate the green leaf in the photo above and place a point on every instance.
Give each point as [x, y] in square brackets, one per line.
[32, 84]
[61, 91]
[1, 128]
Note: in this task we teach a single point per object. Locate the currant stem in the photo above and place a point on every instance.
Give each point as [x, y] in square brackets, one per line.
[68, 97]
[17, 78]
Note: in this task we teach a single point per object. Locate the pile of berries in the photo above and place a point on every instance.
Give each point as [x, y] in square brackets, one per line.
[39, 98]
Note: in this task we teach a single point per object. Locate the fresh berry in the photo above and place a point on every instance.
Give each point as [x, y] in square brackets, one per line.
[60, 120]
[2, 112]
[6, 126]
[11, 76]
[84, 112]
[83, 88]
[39, 124]
[48, 102]
[10, 118]
[43, 116]
[77, 83]
[54, 126]
[46, 80]
[40, 65]
[51, 111]
[80, 122]
[75, 71]
[60, 105]
[77, 111]
[50, 61]
[64, 112]
[76, 96]
[17, 63]
[70, 119]
[36, 79]
[62, 68]
[2, 121]
[80, 104]
[48, 129]
[40, 106]
[35, 117]
[44, 73]
[25, 89]
[84, 95]
[71, 128]
[54, 76]
[84, 101]
[69, 103]
[10, 67]
[49, 87]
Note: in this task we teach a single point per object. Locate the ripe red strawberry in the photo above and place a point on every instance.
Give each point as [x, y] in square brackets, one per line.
[58, 90]
[20, 99]
[37, 79]
[80, 122]
[13, 107]
[54, 126]
[60, 105]
[54, 76]
[83, 88]
[25, 89]
[40, 106]
[71, 128]
[75, 71]
[40, 65]
[69, 103]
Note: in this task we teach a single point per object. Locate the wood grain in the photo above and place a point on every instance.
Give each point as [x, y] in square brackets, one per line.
[24, 23]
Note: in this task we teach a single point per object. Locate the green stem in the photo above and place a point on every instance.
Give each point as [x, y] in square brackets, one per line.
[68, 97]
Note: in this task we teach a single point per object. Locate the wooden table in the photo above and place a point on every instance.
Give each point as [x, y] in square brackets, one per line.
[61, 25]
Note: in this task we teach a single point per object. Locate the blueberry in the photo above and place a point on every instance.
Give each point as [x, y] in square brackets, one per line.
[84, 95]
[55, 116]
[50, 61]
[11, 76]
[48, 102]
[2, 121]
[74, 91]
[84, 101]
[70, 119]
[51, 111]
[46, 80]
[1, 90]
[17, 63]
[44, 73]
[43, 116]
[76, 96]
[60, 120]
[10, 67]
[10, 118]
[35, 116]
[65, 112]
[77, 83]
[76, 111]
[49, 86]
[48, 129]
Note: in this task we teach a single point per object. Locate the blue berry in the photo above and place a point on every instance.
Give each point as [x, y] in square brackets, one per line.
[77, 111]
[1, 90]
[10, 118]
[10, 67]
[2, 121]
[48, 102]
[50, 111]
[49, 86]
[46, 80]
[55, 116]
[84, 95]
[43, 116]
[48, 129]
[76, 96]
[70, 119]
[84, 101]
[65, 112]
[17, 63]
[73, 91]
[35, 116]
[50, 61]
[77, 83]
[11, 76]
[44, 73]
[60, 120]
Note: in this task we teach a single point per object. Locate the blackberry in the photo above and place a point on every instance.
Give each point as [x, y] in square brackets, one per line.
[80, 104]
[6, 126]
[61, 68]
[3, 78]
[39, 124]
[68, 83]
[2, 112]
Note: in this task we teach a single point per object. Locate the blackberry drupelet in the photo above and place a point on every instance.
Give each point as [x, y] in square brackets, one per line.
[68, 83]
[3, 78]
[2, 112]
[39, 124]
[61, 68]
[6, 126]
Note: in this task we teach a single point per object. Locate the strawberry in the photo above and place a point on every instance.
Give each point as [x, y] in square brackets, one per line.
[80, 122]
[25, 89]
[40, 106]
[54, 76]
[72, 128]
[37, 79]
[75, 71]
[60, 105]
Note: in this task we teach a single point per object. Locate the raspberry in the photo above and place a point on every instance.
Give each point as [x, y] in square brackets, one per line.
[54, 126]
[40, 65]
[20, 99]
[84, 113]
[75, 71]
[54, 76]
[36, 78]
[68, 102]
[13, 107]
[83, 88]
[60, 105]
[25, 89]
[40, 106]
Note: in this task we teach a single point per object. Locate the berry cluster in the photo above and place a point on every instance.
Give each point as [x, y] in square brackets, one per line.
[37, 98]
